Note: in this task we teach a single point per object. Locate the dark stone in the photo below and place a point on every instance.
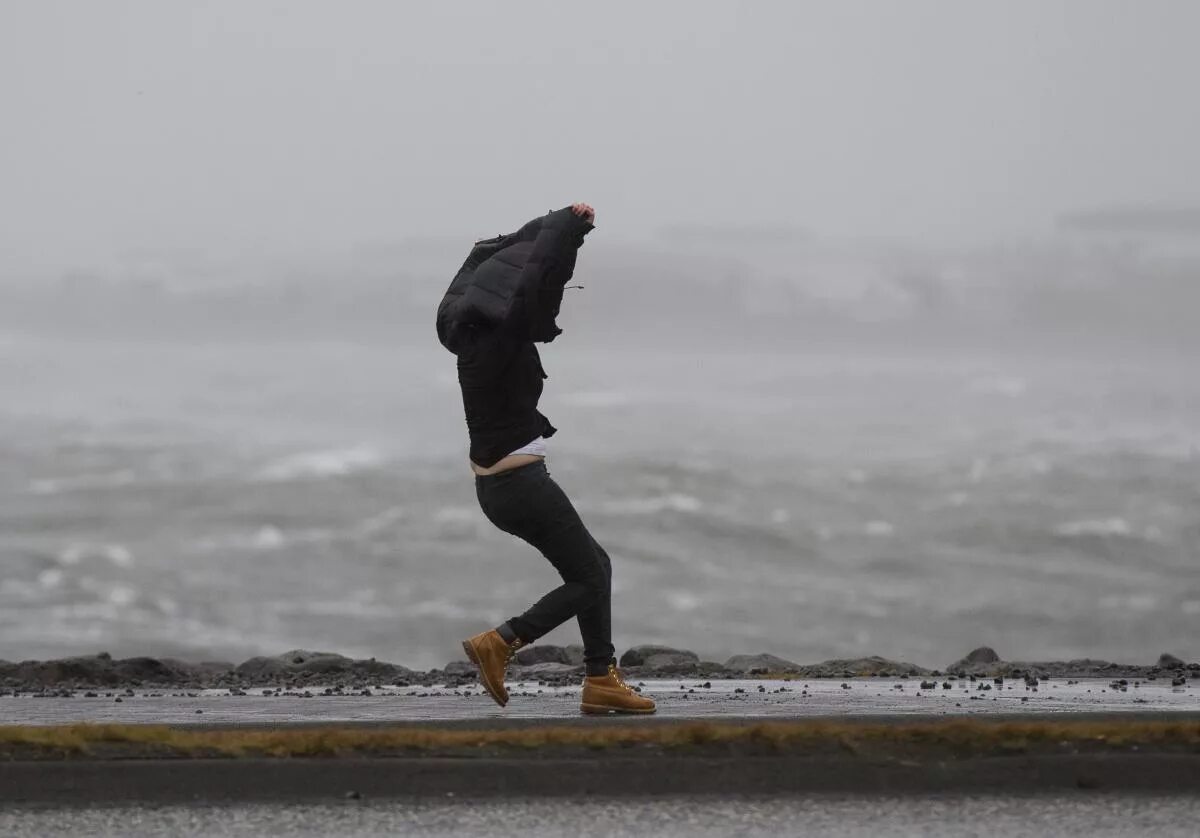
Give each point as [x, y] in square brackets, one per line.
[656, 657]
[550, 653]
[1169, 661]
[303, 667]
[458, 668]
[547, 668]
[978, 660]
[874, 665]
[102, 670]
[765, 662]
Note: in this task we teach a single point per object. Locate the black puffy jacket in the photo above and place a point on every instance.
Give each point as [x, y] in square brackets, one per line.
[503, 299]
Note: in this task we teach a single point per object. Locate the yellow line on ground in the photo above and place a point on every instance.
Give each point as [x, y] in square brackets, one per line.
[959, 735]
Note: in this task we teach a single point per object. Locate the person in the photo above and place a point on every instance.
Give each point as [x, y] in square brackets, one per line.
[502, 302]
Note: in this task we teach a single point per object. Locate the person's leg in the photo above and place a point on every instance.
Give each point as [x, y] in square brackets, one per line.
[595, 622]
[527, 503]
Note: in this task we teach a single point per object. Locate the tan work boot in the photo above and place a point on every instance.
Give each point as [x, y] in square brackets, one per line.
[610, 694]
[489, 651]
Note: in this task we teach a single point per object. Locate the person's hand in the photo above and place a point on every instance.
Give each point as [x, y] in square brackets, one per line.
[584, 211]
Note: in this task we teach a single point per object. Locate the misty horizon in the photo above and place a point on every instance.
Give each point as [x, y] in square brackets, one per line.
[283, 130]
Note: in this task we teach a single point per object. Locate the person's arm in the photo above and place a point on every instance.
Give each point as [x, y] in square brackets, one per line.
[551, 264]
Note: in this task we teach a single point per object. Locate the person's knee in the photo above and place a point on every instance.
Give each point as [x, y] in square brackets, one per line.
[602, 558]
[597, 582]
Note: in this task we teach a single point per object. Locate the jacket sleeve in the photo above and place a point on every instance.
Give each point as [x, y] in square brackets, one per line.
[551, 264]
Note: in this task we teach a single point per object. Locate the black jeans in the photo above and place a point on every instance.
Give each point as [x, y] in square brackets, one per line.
[527, 503]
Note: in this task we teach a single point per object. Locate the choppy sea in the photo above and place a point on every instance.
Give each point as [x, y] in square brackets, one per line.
[216, 501]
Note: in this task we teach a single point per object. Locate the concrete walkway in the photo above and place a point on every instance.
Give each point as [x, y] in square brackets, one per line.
[742, 700]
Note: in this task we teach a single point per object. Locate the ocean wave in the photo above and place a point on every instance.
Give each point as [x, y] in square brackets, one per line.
[334, 462]
[457, 515]
[683, 600]
[673, 501]
[879, 529]
[263, 540]
[379, 521]
[1129, 602]
[51, 577]
[355, 607]
[116, 554]
[1101, 527]
[56, 485]
[439, 608]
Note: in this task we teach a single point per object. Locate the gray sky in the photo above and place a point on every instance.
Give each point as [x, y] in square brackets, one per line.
[227, 127]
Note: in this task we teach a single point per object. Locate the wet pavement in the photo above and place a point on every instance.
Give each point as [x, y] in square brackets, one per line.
[1079, 814]
[734, 700]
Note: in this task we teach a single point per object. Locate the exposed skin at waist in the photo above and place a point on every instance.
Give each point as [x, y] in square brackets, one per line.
[511, 461]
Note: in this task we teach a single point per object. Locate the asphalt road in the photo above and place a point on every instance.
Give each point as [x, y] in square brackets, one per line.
[1061, 815]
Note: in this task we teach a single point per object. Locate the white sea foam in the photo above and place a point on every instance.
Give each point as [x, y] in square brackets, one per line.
[268, 538]
[438, 608]
[673, 501]
[265, 539]
[116, 554]
[167, 605]
[352, 607]
[121, 595]
[78, 482]
[51, 577]
[379, 521]
[1098, 527]
[683, 601]
[457, 515]
[18, 589]
[1129, 602]
[879, 529]
[335, 462]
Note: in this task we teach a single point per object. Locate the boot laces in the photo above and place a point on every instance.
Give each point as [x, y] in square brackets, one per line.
[616, 674]
[512, 650]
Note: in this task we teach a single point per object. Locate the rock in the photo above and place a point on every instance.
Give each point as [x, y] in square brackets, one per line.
[764, 662]
[873, 665]
[977, 660]
[658, 657]
[1169, 661]
[102, 670]
[550, 653]
[459, 668]
[300, 666]
[541, 670]
[212, 669]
